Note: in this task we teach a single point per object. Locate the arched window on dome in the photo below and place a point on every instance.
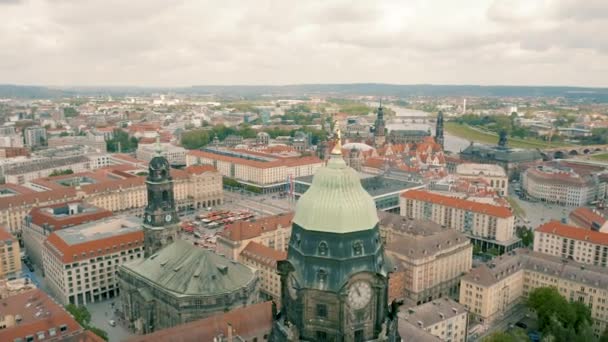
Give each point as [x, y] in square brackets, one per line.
[165, 196]
[357, 248]
[322, 276]
[323, 249]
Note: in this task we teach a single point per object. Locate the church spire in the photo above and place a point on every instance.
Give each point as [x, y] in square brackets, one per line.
[439, 129]
[158, 148]
[337, 150]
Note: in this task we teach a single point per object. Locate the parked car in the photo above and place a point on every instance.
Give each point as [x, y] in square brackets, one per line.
[112, 323]
[521, 325]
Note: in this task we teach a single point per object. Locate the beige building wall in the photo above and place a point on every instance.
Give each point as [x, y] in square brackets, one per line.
[202, 188]
[583, 251]
[276, 239]
[451, 329]
[10, 259]
[270, 281]
[484, 225]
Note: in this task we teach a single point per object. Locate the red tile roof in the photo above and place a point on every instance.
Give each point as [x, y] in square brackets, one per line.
[278, 161]
[263, 254]
[5, 235]
[41, 216]
[247, 322]
[66, 252]
[448, 201]
[38, 313]
[587, 218]
[575, 233]
[243, 230]
[198, 169]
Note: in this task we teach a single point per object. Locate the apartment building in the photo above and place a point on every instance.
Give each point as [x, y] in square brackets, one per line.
[271, 231]
[117, 188]
[560, 185]
[491, 290]
[444, 318]
[26, 173]
[487, 225]
[573, 243]
[176, 155]
[34, 136]
[587, 219]
[10, 258]
[430, 259]
[265, 171]
[495, 175]
[264, 259]
[80, 262]
[44, 220]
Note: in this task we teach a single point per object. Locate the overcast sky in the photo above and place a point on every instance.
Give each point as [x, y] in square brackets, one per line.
[188, 42]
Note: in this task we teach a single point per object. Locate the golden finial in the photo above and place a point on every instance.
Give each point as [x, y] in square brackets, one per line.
[338, 146]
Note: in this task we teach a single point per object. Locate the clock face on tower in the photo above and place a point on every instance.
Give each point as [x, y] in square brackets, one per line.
[168, 218]
[359, 294]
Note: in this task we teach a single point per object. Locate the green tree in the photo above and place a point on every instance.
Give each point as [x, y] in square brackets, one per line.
[64, 134]
[559, 318]
[70, 112]
[195, 139]
[500, 336]
[99, 332]
[81, 314]
[526, 235]
[604, 337]
[121, 139]
[61, 172]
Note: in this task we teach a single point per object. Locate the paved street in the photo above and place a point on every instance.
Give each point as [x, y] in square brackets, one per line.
[540, 212]
[101, 314]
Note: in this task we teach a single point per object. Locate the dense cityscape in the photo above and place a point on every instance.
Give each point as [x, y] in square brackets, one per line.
[336, 171]
[128, 217]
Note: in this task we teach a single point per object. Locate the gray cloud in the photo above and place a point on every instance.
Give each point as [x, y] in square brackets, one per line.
[185, 42]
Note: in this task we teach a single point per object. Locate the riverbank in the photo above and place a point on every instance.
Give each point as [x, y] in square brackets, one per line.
[476, 135]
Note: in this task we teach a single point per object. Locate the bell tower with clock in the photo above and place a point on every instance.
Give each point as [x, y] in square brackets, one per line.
[334, 282]
[161, 224]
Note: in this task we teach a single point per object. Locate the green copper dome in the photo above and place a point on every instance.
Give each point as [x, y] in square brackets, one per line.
[336, 202]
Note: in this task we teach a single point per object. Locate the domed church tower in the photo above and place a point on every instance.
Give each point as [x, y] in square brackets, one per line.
[334, 283]
[160, 217]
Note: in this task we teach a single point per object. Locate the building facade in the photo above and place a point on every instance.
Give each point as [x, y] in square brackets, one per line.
[34, 136]
[271, 231]
[492, 290]
[444, 318]
[488, 226]
[42, 221]
[114, 190]
[80, 262]
[264, 259]
[432, 259]
[494, 175]
[572, 243]
[553, 184]
[264, 171]
[10, 258]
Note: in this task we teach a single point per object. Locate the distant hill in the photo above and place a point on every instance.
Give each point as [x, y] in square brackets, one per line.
[372, 89]
[30, 92]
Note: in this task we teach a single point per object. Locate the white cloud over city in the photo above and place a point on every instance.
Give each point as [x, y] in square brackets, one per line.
[189, 42]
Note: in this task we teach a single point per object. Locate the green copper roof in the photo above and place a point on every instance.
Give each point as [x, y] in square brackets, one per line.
[336, 202]
[185, 269]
